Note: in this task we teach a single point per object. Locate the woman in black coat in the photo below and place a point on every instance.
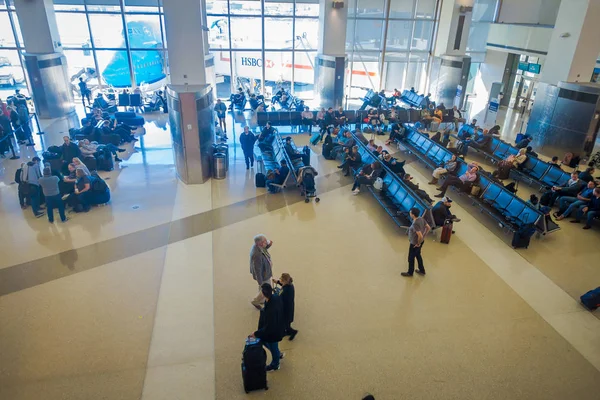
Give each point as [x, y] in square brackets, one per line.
[287, 296]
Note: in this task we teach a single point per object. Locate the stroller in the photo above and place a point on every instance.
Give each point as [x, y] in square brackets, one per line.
[306, 181]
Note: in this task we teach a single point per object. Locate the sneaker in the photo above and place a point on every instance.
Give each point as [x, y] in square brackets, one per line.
[65, 220]
[355, 192]
[272, 368]
[41, 214]
[117, 159]
[420, 271]
[281, 355]
[439, 195]
[456, 220]
[406, 274]
[575, 221]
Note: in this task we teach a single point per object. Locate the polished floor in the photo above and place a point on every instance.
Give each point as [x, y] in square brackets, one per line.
[148, 298]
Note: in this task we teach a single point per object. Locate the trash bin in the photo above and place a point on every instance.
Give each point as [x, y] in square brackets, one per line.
[219, 166]
[223, 148]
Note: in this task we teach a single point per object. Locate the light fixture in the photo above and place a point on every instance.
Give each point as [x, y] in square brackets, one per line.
[337, 4]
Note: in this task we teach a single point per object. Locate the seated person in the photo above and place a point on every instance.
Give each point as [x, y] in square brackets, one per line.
[448, 167]
[291, 152]
[321, 120]
[458, 118]
[353, 161]
[588, 174]
[339, 117]
[80, 199]
[396, 166]
[483, 142]
[524, 142]
[415, 188]
[277, 177]
[91, 149]
[283, 100]
[277, 95]
[396, 133]
[80, 165]
[441, 212]
[371, 146]
[307, 120]
[90, 131]
[100, 102]
[520, 158]
[255, 104]
[367, 176]
[344, 142]
[378, 151]
[300, 106]
[110, 127]
[573, 186]
[374, 120]
[534, 201]
[590, 211]
[265, 139]
[237, 99]
[460, 182]
[530, 152]
[555, 163]
[568, 204]
[67, 183]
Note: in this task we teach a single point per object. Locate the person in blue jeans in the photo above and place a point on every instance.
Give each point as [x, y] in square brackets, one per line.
[271, 326]
[590, 211]
[49, 185]
[568, 204]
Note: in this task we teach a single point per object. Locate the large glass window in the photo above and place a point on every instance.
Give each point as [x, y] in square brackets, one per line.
[12, 73]
[107, 30]
[273, 44]
[73, 29]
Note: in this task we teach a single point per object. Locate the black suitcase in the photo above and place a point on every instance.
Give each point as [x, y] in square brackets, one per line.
[260, 180]
[522, 236]
[104, 161]
[90, 163]
[254, 360]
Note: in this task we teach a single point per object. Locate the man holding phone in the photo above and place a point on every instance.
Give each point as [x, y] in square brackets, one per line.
[261, 266]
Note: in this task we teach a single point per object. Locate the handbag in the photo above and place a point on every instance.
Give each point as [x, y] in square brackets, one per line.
[475, 190]
[378, 184]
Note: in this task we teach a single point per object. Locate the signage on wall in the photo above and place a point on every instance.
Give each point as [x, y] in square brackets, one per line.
[256, 62]
[530, 67]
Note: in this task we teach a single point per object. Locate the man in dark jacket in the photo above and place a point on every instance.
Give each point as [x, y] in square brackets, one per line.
[69, 151]
[247, 140]
[441, 212]
[271, 326]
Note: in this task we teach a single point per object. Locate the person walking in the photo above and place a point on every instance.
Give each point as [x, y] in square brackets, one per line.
[416, 236]
[221, 110]
[49, 184]
[271, 326]
[247, 140]
[288, 294]
[261, 266]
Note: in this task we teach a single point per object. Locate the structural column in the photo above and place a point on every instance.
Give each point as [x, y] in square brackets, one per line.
[330, 68]
[190, 95]
[44, 60]
[566, 111]
[450, 66]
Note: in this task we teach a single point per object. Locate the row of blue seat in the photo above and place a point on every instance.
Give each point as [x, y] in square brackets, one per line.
[396, 198]
[533, 170]
[294, 164]
[507, 208]
[271, 160]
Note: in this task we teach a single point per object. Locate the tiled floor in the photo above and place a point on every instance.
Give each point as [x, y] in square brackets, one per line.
[149, 297]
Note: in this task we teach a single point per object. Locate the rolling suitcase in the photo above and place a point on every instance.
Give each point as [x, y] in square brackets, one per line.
[591, 300]
[254, 360]
[315, 138]
[260, 180]
[446, 232]
[522, 236]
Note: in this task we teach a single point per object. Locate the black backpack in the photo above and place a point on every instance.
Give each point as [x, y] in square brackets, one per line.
[98, 184]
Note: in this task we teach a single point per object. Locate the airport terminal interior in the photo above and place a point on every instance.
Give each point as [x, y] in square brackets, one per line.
[147, 289]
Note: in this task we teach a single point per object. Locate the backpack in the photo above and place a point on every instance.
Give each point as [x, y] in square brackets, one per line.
[98, 184]
[511, 187]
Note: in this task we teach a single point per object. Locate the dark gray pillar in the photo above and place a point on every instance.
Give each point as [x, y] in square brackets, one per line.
[447, 74]
[329, 79]
[50, 85]
[192, 130]
[565, 118]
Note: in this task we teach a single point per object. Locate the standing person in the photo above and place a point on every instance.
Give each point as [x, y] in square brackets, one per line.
[271, 326]
[33, 176]
[261, 266]
[288, 294]
[69, 151]
[49, 184]
[247, 140]
[416, 237]
[221, 109]
[85, 92]
[23, 188]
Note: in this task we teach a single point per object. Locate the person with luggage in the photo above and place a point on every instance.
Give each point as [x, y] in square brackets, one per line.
[441, 212]
[291, 152]
[568, 204]
[277, 177]
[49, 185]
[590, 211]
[221, 110]
[247, 140]
[261, 266]
[271, 325]
[416, 238]
[353, 160]
[460, 182]
[448, 167]
[287, 295]
[367, 176]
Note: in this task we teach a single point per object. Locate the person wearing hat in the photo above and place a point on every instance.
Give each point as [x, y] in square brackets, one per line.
[293, 154]
[441, 212]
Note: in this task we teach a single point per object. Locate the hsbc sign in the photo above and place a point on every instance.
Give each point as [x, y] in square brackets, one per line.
[256, 62]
